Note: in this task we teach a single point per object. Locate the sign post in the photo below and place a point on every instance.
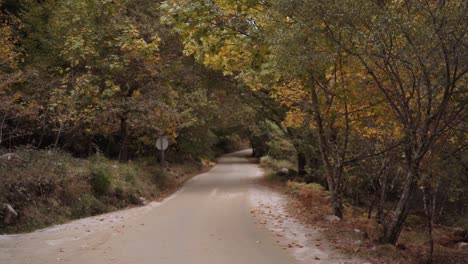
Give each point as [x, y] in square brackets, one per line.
[161, 144]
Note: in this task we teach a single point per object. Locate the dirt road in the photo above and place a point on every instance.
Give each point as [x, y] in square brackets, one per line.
[208, 221]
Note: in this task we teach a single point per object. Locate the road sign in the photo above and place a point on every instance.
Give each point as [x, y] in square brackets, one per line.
[162, 143]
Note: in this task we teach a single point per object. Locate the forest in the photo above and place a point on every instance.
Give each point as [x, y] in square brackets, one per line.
[367, 98]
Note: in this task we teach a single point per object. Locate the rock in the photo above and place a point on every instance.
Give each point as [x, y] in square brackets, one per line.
[362, 235]
[12, 157]
[462, 245]
[332, 218]
[142, 200]
[283, 171]
[358, 242]
[10, 215]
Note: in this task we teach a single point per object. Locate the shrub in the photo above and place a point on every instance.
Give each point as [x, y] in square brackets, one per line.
[159, 177]
[100, 179]
[88, 205]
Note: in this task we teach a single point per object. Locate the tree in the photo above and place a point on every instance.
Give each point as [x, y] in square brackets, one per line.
[414, 53]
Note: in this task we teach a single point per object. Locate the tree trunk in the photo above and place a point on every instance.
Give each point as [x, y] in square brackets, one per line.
[371, 207]
[429, 209]
[383, 194]
[43, 130]
[337, 203]
[123, 153]
[393, 229]
[331, 173]
[1, 128]
[58, 135]
[301, 163]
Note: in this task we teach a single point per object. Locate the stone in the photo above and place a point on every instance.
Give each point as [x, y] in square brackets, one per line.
[142, 200]
[332, 218]
[10, 215]
[283, 171]
[361, 234]
[12, 157]
[462, 245]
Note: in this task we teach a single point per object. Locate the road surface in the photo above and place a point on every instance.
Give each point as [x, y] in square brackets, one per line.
[207, 222]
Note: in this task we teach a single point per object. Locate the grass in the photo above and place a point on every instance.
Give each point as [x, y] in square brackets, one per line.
[48, 187]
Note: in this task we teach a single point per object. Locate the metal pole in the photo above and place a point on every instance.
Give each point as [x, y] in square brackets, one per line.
[162, 158]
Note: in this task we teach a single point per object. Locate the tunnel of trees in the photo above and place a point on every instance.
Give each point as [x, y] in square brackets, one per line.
[368, 98]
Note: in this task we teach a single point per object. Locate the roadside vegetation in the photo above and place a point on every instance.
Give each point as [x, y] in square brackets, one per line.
[359, 232]
[50, 187]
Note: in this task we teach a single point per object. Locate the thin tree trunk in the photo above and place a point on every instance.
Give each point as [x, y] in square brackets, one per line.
[41, 139]
[383, 191]
[383, 195]
[393, 229]
[301, 163]
[333, 180]
[123, 153]
[429, 209]
[1, 129]
[371, 207]
[58, 136]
